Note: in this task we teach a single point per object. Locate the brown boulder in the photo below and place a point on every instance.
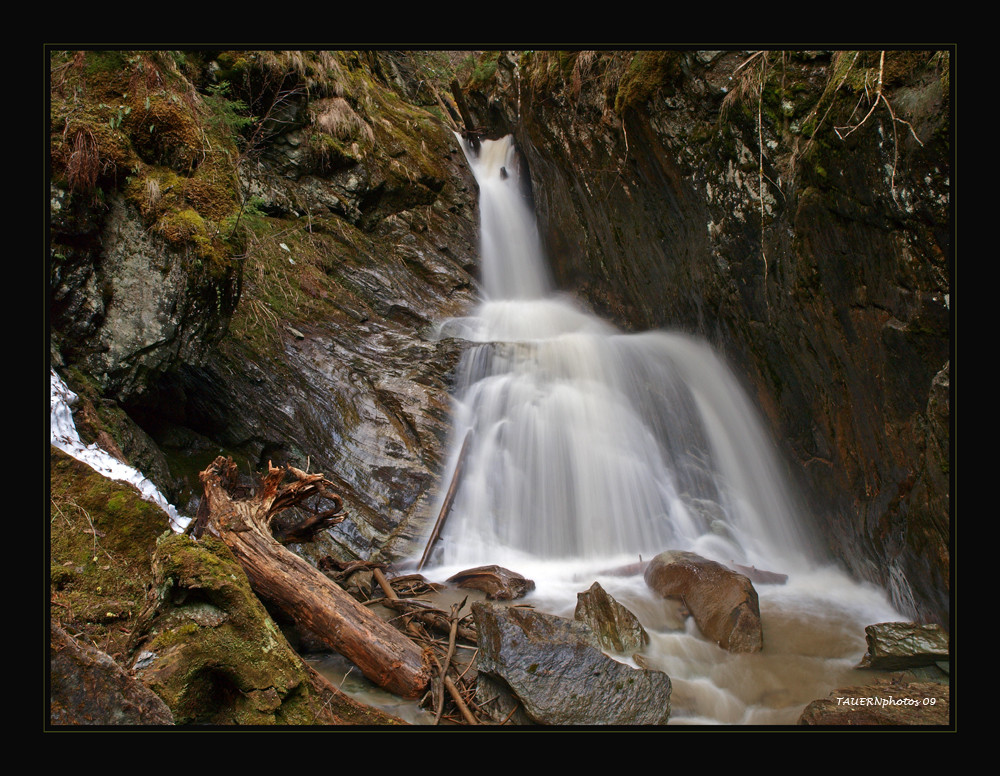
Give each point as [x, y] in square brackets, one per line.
[498, 583]
[885, 702]
[722, 602]
[899, 645]
[89, 688]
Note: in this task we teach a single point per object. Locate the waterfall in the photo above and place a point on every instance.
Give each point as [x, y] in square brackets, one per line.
[591, 444]
[589, 448]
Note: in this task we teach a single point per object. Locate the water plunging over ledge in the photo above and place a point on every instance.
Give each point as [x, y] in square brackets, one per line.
[590, 448]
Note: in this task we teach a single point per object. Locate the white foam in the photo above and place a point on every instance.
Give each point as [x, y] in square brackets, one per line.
[64, 436]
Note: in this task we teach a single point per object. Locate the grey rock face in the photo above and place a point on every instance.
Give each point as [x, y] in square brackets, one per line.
[617, 628]
[555, 668]
[134, 309]
[89, 688]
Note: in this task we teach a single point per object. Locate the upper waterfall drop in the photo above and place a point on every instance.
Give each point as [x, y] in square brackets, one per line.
[513, 261]
[590, 444]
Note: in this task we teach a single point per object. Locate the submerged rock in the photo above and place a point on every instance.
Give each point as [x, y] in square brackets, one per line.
[617, 628]
[722, 602]
[557, 672]
[899, 645]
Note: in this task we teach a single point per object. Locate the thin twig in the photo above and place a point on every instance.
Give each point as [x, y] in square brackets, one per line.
[459, 701]
[507, 718]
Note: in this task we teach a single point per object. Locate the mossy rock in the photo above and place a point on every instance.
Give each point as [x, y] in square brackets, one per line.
[214, 655]
[101, 537]
[134, 122]
[648, 72]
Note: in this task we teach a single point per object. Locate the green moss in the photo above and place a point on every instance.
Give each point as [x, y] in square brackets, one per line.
[484, 70]
[105, 62]
[101, 536]
[648, 72]
[135, 122]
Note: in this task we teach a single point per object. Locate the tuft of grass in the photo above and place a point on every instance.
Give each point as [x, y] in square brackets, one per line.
[84, 163]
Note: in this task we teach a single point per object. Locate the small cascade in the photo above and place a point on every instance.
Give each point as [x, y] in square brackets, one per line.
[64, 436]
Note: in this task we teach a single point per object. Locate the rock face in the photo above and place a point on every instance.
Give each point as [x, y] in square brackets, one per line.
[722, 602]
[88, 687]
[616, 627]
[886, 702]
[709, 191]
[277, 297]
[898, 645]
[557, 672]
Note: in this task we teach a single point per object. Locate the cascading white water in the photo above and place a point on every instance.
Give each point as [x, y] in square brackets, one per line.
[589, 444]
[589, 448]
[64, 436]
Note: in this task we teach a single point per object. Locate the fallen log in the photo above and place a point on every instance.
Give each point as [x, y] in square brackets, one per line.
[759, 576]
[383, 654]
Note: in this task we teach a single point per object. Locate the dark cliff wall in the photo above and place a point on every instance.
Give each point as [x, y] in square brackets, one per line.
[781, 205]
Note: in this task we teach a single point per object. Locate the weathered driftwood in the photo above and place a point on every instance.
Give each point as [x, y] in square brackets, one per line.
[383, 654]
[759, 576]
[448, 500]
[427, 614]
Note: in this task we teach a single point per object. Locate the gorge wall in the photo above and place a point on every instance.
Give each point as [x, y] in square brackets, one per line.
[249, 250]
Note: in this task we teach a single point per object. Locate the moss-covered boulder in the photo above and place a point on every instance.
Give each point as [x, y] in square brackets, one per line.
[101, 537]
[214, 655]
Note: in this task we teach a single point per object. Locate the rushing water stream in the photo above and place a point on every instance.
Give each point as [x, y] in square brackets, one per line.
[589, 449]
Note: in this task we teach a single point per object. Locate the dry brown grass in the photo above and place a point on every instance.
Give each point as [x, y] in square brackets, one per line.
[84, 163]
[338, 119]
